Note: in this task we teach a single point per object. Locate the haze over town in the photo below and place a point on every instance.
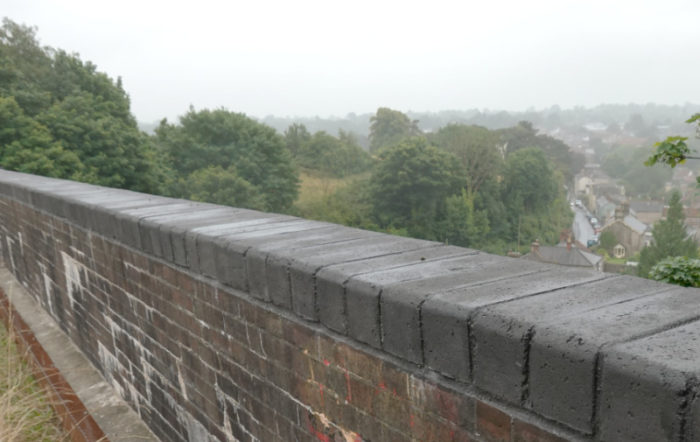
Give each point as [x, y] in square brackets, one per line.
[312, 58]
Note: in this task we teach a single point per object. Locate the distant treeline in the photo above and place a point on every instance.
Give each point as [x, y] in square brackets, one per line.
[641, 119]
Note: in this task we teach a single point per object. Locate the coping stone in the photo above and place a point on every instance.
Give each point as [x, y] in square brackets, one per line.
[447, 316]
[501, 333]
[306, 263]
[563, 354]
[222, 256]
[260, 248]
[331, 280]
[172, 230]
[401, 302]
[243, 220]
[649, 387]
[363, 292]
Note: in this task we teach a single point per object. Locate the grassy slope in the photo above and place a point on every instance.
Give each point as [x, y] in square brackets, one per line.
[25, 413]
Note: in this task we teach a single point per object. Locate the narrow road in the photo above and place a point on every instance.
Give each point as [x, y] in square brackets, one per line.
[583, 231]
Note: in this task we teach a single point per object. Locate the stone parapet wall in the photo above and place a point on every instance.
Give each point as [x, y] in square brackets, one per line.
[231, 324]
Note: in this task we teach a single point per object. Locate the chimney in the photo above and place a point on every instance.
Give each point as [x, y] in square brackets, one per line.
[619, 212]
[569, 241]
[535, 247]
[564, 234]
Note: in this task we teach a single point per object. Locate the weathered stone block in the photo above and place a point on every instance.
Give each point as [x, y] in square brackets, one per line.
[647, 386]
[446, 316]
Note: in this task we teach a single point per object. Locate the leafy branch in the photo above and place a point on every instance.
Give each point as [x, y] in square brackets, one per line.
[673, 150]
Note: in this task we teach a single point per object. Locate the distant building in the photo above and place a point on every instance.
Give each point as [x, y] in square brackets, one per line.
[631, 234]
[647, 212]
[605, 209]
[565, 254]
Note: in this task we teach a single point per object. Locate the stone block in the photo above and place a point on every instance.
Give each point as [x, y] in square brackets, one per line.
[401, 303]
[149, 227]
[331, 280]
[501, 333]
[307, 262]
[446, 316]
[244, 220]
[563, 354]
[647, 386]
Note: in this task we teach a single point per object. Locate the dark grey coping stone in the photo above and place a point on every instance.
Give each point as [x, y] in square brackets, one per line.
[363, 291]
[649, 387]
[564, 353]
[331, 280]
[448, 315]
[260, 248]
[401, 302]
[501, 334]
[156, 239]
[301, 265]
[222, 255]
[208, 232]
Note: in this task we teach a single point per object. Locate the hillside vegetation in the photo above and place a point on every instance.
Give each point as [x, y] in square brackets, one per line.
[495, 189]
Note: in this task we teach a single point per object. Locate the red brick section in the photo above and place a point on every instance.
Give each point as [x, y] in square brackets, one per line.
[194, 358]
[74, 417]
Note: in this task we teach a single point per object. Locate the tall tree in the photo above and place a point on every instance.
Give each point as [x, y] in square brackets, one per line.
[81, 126]
[389, 127]
[410, 184]
[296, 137]
[222, 138]
[524, 135]
[332, 156]
[529, 181]
[478, 151]
[670, 238]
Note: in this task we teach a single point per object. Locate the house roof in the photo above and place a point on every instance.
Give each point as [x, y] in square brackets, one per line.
[634, 224]
[561, 255]
[647, 206]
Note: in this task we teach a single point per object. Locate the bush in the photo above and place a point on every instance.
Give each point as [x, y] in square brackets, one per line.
[678, 270]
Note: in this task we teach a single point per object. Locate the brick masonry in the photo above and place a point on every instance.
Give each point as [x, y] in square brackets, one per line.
[227, 324]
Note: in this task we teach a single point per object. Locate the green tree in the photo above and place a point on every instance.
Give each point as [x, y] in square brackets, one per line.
[73, 122]
[389, 127]
[222, 138]
[27, 146]
[410, 184]
[463, 225]
[350, 205]
[478, 152]
[296, 137]
[217, 185]
[670, 238]
[532, 193]
[608, 241]
[332, 156]
[529, 181]
[524, 135]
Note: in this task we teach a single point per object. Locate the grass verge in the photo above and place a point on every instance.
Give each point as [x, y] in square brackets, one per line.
[25, 411]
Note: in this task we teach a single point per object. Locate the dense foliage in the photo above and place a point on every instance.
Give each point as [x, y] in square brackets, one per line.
[211, 148]
[669, 238]
[60, 117]
[389, 127]
[461, 185]
[328, 155]
[679, 270]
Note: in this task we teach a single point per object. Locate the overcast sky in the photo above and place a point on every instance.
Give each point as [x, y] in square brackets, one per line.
[326, 57]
